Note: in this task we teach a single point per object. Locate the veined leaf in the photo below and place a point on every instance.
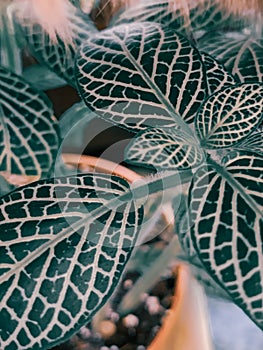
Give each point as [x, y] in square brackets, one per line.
[63, 249]
[182, 225]
[164, 149]
[28, 133]
[216, 75]
[141, 75]
[240, 54]
[254, 143]
[227, 215]
[58, 57]
[230, 115]
[206, 16]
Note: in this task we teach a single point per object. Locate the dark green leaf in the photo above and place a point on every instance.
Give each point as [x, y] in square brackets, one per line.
[230, 115]
[227, 227]
[141, 75]
[63, 249]
[164, 149]
[254, 143]
[216, 75]
[58, 57]
[240, 54]
[28, 132]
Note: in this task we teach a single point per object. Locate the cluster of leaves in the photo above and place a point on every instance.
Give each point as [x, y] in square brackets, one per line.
[65, 241]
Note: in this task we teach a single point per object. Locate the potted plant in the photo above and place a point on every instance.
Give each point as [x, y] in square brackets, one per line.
[65, 239]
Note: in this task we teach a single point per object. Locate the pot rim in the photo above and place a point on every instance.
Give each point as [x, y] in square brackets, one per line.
[101, 165]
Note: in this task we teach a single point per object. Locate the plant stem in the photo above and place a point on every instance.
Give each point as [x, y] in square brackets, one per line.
[133, 298]
[160, 182]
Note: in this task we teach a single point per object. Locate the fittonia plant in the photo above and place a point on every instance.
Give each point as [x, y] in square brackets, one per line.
[66, 240]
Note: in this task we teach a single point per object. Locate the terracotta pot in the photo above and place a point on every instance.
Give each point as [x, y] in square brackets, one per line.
[94, 164]
[186, 325]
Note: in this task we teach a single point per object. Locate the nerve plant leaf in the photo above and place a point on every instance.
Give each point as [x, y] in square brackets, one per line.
[63, 248]
[227, 227]
[58, 57]
[254, 143]
[216, 75]
[230, 115]
[164, 149]
[28, 132]
[141, 75]
[240, 54]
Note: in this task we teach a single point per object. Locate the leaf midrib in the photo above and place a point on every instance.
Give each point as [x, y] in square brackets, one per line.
[166, 103]
[235, 184]
[237, 107]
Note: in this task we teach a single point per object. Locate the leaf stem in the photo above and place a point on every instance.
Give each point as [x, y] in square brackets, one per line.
[160, 182]
[133, 298]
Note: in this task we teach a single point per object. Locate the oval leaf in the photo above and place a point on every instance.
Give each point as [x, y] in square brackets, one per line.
[141, 75]
[227, 230]
[62, 253]
[240, 54]
[58, 57]
[28, 133]
[164, 149]
[216, 75]
[230, 115]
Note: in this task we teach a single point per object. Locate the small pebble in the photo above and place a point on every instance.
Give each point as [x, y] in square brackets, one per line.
[107, 329]
[141, 347]
[96, 336]
[130, 321]
[104, 348]
[131, 332]
[127, 284]
[85, 333]
[114, 317]
[167, 301]
[114, 347]
[153, 305]
[144, 297]
[155, 330]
